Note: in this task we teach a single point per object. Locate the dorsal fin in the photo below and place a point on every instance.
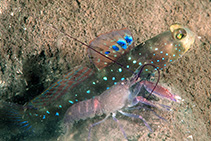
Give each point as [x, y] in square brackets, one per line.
[113, 44]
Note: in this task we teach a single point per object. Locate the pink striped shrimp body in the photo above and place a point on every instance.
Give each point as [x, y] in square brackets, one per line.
[108, 102]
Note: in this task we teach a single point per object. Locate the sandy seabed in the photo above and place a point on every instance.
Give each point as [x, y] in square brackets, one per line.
[33, 56]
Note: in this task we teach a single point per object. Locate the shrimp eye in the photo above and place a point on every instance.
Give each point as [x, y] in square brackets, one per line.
[179, 34]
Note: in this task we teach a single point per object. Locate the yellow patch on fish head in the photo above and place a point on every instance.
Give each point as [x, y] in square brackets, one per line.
[183, 35]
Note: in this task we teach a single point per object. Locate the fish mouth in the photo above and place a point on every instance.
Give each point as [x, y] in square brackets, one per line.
[188, 42]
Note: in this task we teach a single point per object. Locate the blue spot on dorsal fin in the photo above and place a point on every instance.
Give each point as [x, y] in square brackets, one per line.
[107, 52]
[115, 48]
[122, 43]
[129, 39]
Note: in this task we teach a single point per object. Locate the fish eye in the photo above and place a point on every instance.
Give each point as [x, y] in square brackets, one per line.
[179, 34]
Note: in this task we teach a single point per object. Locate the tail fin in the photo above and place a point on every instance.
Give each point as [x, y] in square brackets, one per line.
[15, 114]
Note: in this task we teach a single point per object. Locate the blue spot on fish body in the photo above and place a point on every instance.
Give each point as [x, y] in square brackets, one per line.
[105, 78]
[120, 69]
[71, 102]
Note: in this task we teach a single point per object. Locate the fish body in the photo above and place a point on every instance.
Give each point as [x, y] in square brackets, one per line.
[52, 104]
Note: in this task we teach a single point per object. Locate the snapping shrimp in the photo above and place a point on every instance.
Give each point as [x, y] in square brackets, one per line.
[123, 95]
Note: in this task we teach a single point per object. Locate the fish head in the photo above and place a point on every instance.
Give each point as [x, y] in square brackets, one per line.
[183, 35]
[168, 46]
